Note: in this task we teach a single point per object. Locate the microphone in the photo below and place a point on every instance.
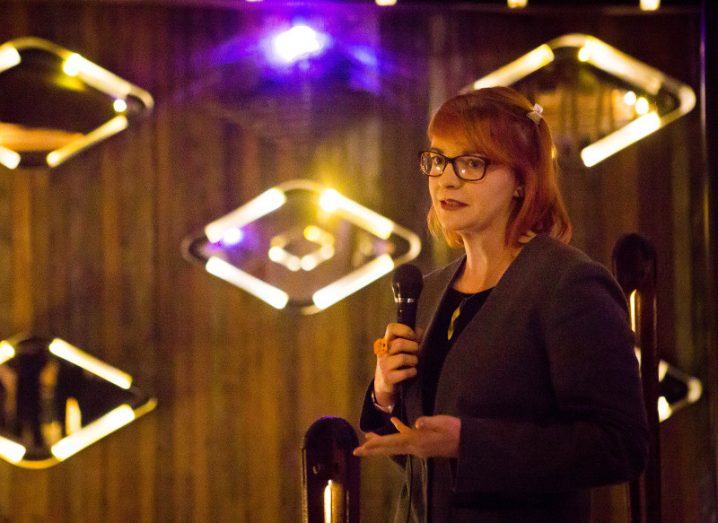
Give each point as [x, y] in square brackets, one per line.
[407, 284]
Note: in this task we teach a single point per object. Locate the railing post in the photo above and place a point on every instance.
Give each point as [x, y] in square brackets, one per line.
[330, 482]
[634, 265]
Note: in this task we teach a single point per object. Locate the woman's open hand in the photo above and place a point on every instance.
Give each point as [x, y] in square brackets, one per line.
[433, 437]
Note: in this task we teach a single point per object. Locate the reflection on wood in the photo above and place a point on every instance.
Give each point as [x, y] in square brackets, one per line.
[20, 138]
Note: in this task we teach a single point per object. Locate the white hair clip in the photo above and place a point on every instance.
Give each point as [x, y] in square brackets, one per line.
[536, 114]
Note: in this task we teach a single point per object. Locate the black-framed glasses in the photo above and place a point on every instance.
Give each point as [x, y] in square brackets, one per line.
[468, 167]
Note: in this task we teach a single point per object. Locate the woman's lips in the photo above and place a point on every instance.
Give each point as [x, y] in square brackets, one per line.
[451, 205]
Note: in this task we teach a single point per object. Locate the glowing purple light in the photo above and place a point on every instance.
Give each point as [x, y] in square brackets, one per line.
[298, 43]
[232, 237]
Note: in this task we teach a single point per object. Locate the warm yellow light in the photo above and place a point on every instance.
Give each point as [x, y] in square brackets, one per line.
[695, 390]
[64, 350]
[593, 51]
[93, 432]
[308, 263]
[112, 126]
[11, 451]
[267, 202]
[97, 77]
[276, 254]
[375, 223]
[629, 98]
[119, 105]
[334, 502]
[275, 297]
[73, 416]
[620, 65]
[73, 64]
[353, 281]
[7, 352]
[9, 57]
[642, 106]
[9, 158]
[584, 54]
[385, 3]
[516, 4]
[664, 409]
[514, 71]
[614, 142]
[693, 385]
[632, 308]
[317, 235]
[650, 5]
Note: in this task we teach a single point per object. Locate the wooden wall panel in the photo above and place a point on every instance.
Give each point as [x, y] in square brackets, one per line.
[90, 251]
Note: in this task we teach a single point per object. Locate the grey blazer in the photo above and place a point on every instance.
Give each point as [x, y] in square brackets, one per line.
[546, 384]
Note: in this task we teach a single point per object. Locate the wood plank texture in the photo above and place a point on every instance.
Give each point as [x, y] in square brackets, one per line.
[90, 251]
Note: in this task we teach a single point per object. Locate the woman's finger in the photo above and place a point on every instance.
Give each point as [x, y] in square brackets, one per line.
[398, 361]
[395, 376]
[399, 345]
[403, 429]
[399, 330]
[384, 445]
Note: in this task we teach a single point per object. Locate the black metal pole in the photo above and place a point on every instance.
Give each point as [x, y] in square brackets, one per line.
[330, 492]
[634, 264]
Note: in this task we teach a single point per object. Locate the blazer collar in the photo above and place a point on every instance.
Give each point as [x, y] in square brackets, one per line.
[433, 295]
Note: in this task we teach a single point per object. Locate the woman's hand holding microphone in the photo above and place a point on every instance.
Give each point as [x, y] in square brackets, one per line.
[433, 436]
[396, 363]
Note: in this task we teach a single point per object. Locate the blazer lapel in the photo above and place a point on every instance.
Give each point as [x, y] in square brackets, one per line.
[429, 302]
[479, 329]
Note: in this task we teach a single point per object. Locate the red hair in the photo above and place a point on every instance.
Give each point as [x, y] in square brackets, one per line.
[494, 122]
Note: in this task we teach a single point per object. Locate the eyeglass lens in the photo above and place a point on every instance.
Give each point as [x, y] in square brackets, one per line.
[466, 167]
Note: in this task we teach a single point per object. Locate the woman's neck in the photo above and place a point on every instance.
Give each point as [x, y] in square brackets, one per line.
[487, 259]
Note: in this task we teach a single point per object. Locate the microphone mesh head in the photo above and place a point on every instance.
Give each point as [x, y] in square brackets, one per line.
[407, 282]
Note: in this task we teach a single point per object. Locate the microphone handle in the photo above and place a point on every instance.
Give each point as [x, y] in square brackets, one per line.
[406, 313]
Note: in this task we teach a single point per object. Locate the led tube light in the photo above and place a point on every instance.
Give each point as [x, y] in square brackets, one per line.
[620, 139]
[64, 350]
[9, 57]
[277, 298]
[93, 432]
[267, 202]
[9, 158]
[112, 126]
[353, 281]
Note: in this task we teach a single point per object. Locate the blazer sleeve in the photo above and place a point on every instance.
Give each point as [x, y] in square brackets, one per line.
[600, 434]
[372, 419]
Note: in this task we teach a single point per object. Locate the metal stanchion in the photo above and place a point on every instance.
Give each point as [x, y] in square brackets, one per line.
[634, 264]
[330, 480]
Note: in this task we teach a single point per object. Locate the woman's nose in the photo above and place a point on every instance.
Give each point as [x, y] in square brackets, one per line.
[449, 177]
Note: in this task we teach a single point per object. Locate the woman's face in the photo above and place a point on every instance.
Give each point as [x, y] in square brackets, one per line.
[472, 208]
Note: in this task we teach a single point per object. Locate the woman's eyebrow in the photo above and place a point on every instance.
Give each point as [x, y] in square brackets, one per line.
[463, 153]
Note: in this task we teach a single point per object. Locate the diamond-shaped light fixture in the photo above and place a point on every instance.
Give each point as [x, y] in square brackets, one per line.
[576, 76]
[676, 388]
[302, 244]
[57, 400]
[55, 103]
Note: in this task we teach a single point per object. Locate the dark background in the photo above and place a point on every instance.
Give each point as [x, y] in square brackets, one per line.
[90, 250]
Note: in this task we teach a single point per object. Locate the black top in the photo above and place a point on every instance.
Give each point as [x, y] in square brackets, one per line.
[462, 307]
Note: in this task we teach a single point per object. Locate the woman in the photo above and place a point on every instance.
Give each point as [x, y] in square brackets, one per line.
[524, 391]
